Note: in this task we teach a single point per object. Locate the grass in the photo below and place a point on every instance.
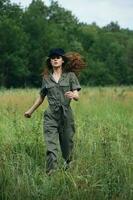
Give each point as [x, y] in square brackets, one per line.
[103, 161]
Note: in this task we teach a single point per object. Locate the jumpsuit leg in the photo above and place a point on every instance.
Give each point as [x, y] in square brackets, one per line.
[51, 138]
[66, 144]
[66, 133]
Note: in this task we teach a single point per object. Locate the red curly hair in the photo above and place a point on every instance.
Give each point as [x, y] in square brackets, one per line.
[75, 62]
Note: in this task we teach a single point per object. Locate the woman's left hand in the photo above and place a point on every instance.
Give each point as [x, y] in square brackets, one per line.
[69, 94]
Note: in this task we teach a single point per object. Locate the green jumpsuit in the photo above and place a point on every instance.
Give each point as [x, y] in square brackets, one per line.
[58, 117]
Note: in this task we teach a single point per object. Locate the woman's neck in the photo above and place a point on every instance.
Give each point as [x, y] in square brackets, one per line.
[57, 71]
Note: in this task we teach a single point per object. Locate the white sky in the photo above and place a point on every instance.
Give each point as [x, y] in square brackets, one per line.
[100, 11]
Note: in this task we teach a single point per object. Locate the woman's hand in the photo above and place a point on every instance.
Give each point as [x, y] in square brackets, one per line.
[27, 114]
[72, 95]
[37, 103]
[69, 94]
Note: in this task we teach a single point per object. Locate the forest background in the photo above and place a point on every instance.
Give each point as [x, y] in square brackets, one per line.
[27, 34]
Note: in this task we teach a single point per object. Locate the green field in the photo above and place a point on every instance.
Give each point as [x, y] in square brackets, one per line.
[103, 157]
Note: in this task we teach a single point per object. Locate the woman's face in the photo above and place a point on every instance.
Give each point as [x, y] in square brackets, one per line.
[56, 61]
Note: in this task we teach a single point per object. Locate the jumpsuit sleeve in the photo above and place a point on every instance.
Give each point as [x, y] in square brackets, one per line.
[75, 85]
[43, 90]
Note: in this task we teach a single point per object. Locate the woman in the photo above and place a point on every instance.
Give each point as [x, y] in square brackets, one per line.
[60, 85]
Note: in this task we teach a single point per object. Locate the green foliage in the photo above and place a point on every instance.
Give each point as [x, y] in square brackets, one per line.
[13, 54]
[26, 36]
[129, 61]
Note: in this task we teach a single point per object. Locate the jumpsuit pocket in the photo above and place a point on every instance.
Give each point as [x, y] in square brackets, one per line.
[50, 86]
[47, 112]
[51, 89]
[47, 118]
[70, 121]
[65, 87]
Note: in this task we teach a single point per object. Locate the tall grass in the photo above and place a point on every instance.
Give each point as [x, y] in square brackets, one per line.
[103, 156]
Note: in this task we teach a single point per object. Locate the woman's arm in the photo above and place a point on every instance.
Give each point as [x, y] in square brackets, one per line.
[36, 104]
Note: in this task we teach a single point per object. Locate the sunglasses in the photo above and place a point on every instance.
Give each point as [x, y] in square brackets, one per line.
[55, 56]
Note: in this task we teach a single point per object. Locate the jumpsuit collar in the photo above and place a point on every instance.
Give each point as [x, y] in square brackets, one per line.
[61, 78]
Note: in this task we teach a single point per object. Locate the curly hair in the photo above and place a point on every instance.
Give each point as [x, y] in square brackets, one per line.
[73, 62]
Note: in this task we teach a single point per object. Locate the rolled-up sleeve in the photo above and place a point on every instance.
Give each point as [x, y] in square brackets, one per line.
[43, 90]
[75, 85]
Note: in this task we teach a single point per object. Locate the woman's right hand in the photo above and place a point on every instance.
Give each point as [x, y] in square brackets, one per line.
[27, 114]
[37, 103]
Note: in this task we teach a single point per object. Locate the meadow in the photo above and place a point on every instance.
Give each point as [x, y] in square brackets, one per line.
[102, 168]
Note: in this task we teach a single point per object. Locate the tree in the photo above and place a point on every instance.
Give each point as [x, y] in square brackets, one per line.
[128, 63]
[13, 54]
[27, 35]
[35, 26]
[64, 20]
[113, 27]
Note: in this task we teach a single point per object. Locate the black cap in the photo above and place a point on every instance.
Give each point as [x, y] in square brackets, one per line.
[56, 51]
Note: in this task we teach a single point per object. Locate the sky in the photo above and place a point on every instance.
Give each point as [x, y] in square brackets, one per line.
[100, 11]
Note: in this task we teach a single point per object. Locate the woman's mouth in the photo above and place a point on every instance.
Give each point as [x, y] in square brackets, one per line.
[55, 63]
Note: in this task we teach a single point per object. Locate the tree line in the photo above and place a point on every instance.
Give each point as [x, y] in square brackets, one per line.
[27, 35]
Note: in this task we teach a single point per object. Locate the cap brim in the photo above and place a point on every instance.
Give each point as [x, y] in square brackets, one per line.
[64, 57]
